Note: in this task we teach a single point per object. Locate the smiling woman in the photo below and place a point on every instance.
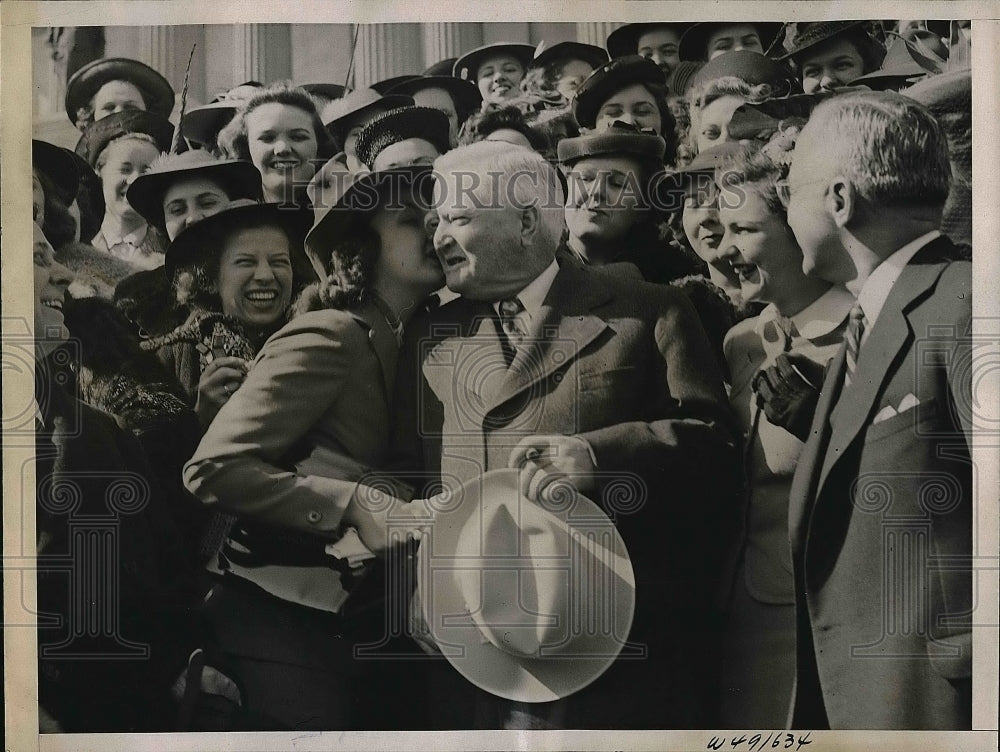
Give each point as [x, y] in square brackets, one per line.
[280, 131]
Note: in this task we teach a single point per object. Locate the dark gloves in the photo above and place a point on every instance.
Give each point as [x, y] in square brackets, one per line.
[788, 392]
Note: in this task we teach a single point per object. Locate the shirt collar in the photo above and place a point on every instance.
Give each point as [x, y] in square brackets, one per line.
[113, 236]
[817, 319]
[877, 287]
[533, 295]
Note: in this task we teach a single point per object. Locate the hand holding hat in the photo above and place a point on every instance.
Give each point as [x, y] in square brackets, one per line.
[546, 462]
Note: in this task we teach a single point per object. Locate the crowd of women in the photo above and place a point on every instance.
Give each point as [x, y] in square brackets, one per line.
[239, 252]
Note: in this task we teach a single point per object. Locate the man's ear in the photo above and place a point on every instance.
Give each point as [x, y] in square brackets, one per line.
[842, 201]
[531, 221]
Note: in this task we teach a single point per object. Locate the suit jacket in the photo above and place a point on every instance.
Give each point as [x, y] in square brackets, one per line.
[308, 422]
[625, 365]
[880, 518]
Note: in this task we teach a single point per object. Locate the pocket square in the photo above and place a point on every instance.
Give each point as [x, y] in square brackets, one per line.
[885, 413]
[908, 402]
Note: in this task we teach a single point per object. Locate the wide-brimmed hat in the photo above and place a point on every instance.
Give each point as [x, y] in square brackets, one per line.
[798, 105]
[679, 79]
[903, 64]
[611, 77]
[399, 125]
[615, 141]
[88, 80]
[464, 94]
[948, 92]
[811, 34]
[358, 105]
[102, 132]
[671, 185]
[237, 178]
[529, 602]
[383, 86]
[625, 39]
[695, 40]
[591, 54]
[751, 67]
[201, 125]
[468, 64]
[58, 165]
[202, 237]
[441, 67]
[325, 90]
[354, 195]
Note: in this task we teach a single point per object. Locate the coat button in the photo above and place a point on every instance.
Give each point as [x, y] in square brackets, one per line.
[371, 334]
[314, 517]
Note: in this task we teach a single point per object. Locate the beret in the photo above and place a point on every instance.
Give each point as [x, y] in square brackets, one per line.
[102, 132]
[749, 66]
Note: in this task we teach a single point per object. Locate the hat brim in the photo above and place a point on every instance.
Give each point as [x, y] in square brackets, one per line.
[625, 39]
[594, 56]
[359, 199]
[239, 179]
[202, 124]
[464, 93]
[468, 64]
[384, 86]
[58, 166]
[460, 640]
[192, 244]
[329, 91]
[383, 104]
[87, 81]
[695, 39]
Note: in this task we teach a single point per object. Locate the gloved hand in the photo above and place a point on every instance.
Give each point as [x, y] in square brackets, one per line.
[788, 392]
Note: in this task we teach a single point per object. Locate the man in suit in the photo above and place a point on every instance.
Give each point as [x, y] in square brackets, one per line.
[880, 509]
[570, 374]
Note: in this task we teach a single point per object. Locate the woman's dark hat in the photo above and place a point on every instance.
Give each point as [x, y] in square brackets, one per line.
[359, 104]
[102, 132]
[809, 35]
[625, 39]
[58, 165]
[591, 54]
[383, 86]
[467, 65]
[86, 82]
[203, 237]
[695, 40]
[618, 141]
[441, 67]
[465, 94]
[327, 91]
[679, 80]
[798, 105]
[354, 196]
[671, 185]
[201, 125]
[610, 78]
[751, 67]
[903, 65]
[237, 178]
[399, 125]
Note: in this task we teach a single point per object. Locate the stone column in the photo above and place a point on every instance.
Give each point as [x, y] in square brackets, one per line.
[595, 32]
[261, 52]
[386, 50]
[444, 40]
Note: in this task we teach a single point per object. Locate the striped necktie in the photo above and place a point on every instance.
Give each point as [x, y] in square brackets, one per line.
[852, 339]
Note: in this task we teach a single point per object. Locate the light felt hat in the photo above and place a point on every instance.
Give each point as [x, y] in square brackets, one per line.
[528, 602]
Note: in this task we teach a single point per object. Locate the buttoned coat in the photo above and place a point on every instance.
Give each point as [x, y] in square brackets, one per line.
[880, 518]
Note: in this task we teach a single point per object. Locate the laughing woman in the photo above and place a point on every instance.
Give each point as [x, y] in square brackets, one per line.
[803, 325]
[281, 133]
[290, 454]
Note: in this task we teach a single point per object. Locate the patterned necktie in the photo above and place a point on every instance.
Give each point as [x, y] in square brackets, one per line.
[512, 326]
[852, 338]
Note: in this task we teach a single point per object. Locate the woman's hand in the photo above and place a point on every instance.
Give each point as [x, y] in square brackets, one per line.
[383, 521]
[219, 380]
